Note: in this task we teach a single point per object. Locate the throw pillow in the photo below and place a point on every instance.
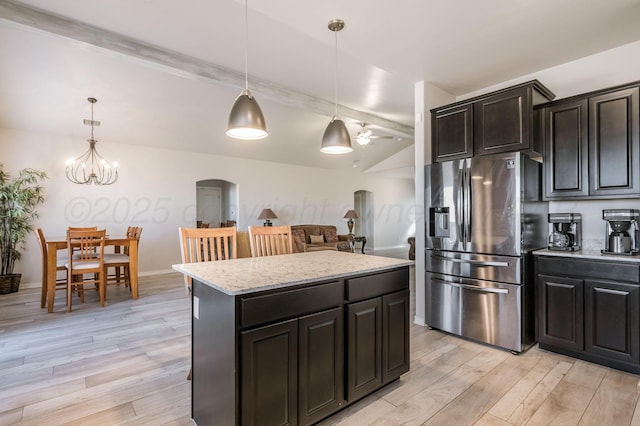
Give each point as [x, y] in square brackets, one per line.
[298, 233]
[331, 235]
[316, 239]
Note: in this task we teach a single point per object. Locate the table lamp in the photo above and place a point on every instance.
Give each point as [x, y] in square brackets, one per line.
[266, 215]
[351, 214]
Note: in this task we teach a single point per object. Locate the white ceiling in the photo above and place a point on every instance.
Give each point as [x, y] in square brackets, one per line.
[458, 45]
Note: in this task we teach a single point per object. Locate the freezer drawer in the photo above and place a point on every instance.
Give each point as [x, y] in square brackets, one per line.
[484, 267]
[481, 310]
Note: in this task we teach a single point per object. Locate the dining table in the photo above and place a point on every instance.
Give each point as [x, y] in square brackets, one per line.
[60, 243]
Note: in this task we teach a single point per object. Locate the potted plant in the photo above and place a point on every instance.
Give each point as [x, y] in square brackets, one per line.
[19, 197]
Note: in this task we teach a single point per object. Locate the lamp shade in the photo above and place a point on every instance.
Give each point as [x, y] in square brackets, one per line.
[246, 120]
[351, 214]
[267, 214]
[336, 139]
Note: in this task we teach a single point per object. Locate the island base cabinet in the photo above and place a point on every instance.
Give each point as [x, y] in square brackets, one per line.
[269, 384]
[612, 318]
[378, 343]
[293, 371]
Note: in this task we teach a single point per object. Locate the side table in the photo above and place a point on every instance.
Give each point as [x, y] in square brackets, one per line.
[355, 240]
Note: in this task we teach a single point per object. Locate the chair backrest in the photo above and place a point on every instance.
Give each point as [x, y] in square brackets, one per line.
[43, 245]
[270, 240]
[208, 244]
[87, 248]
[132, 232]
[88, 228]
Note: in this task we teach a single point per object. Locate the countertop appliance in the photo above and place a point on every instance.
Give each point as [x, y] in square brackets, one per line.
[621, 231]
[566, 231]
[485, 216]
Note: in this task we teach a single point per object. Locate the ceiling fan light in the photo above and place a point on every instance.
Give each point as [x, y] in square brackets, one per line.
[336, 139]
[246, 120]
[363, 139]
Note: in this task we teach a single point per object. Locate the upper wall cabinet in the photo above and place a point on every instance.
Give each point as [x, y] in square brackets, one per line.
[501, 121]
[591, 145]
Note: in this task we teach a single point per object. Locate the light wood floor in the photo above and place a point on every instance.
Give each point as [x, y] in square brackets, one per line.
[126, 364]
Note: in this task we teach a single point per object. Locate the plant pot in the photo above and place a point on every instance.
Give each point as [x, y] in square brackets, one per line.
[9, 283]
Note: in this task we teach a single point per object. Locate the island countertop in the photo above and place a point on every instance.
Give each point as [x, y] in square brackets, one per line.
[252, 274]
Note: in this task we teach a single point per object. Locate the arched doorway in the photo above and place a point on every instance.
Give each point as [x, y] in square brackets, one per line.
[216, 202]
[363, 205]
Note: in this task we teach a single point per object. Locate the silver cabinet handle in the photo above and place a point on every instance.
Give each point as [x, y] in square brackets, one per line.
[473, 262]
[474, 287]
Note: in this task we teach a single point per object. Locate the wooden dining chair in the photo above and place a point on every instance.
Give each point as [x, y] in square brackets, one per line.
[88, 259]
[207, 245]
[61, 283]
[119, 260]
[270, 240]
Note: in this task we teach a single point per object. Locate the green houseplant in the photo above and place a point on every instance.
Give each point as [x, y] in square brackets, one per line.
[19, 197]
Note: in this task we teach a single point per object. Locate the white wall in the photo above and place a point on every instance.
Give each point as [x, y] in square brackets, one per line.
[156, 190]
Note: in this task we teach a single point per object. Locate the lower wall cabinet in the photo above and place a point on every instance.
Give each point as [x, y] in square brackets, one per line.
[593, 314]
[292, 372]
[296, 356]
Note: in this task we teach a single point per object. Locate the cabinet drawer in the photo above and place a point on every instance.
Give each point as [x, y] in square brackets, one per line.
[290, 303]
[596, 269]
[377, 284]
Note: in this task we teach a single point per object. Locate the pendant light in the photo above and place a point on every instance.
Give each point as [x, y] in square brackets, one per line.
[91, 167]
[246, 120]
[336, 139]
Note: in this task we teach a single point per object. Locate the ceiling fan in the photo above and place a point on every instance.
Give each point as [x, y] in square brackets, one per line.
[364, 136]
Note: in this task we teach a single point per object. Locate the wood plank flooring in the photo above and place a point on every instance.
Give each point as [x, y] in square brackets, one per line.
[126, 364]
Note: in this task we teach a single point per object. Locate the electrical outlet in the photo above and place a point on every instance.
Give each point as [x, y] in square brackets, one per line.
[196, 307]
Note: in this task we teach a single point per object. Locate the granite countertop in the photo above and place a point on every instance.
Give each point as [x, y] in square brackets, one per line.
[587, 253]
[248, 275]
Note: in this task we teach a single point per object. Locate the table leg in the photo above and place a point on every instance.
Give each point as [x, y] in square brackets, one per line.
[133, 267]
[364, 243]
[51, 276]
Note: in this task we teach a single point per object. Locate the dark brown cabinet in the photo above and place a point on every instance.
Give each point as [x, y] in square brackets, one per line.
[287, 356]
[270, 374]
[452, 132]
[566, 145]
[590, 309]
[560, 303]
[592, 145]
[501, 121]
[612, 320]
[614, 143]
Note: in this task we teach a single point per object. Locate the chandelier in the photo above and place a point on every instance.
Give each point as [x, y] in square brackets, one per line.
[91, 167]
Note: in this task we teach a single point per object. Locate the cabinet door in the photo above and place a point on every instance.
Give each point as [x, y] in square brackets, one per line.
[560, 312]
[269, 375]
[502, 122]
[321, 365]
[364, 348]
[612, 320]
[566, 144]
[614, 145]
[395, 335]
[452, 133]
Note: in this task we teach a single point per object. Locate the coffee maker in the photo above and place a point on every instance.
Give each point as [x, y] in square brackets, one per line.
[621, 232]
[565, 233]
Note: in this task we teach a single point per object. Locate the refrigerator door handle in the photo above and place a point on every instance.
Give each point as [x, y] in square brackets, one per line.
[469, 205]
[473, 262]
[461, 211]
[473, 287]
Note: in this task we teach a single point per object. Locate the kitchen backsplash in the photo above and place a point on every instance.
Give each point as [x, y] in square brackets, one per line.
[593, 227]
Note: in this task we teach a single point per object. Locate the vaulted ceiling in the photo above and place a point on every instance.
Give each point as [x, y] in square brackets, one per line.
[166, 73]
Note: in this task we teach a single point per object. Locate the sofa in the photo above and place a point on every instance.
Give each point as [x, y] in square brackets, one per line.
[308, 238]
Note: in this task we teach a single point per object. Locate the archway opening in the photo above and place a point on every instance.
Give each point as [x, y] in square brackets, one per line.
[216, 203]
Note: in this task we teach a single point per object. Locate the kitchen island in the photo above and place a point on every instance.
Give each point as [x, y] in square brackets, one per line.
[292, 339]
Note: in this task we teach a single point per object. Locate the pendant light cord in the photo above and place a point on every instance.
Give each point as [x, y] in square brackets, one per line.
[246, 46]
[92, 122]
[335, 80]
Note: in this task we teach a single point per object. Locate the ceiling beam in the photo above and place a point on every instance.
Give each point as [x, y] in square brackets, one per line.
[183, 65]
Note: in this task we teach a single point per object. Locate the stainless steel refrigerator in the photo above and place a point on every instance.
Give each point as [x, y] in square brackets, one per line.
[485, 216]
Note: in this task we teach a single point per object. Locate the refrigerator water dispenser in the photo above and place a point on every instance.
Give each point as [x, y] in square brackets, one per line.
[439, 222]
